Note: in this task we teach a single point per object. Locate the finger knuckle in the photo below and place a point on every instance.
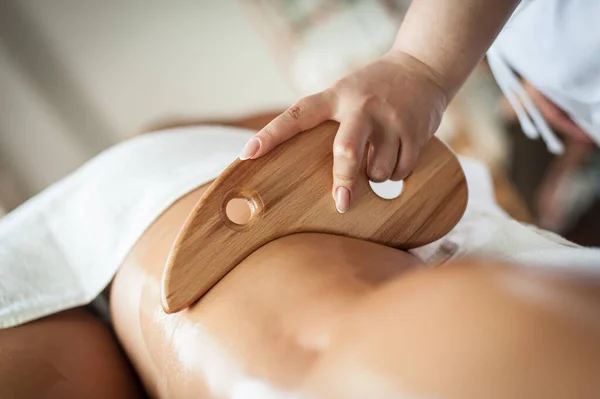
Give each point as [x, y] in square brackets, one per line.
[397, 117]
[365, 101]
[394, 118]
[346, 151]
[296, 111]
[356, 102]
[381, 172]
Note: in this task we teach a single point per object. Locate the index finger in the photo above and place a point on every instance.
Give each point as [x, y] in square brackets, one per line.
[305, 114]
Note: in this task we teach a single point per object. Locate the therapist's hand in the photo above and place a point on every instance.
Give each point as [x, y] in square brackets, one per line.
[395, 104]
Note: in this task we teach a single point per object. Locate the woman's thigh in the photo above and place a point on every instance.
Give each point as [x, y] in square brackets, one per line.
[67, 355]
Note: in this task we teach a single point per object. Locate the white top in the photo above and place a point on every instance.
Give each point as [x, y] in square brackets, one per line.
[555, 45]
[60, 249]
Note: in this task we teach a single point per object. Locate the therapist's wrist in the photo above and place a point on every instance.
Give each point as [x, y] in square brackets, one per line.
[426, 72]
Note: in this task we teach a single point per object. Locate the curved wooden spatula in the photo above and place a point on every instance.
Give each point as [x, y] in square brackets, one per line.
[289, 191]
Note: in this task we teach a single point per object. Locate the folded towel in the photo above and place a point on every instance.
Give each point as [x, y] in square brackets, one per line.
[60, 249]
[486, 231]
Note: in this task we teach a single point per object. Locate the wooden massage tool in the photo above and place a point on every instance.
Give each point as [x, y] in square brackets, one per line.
[289, 191]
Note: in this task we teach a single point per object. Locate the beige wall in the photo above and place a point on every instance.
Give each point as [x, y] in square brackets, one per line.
[77, 76]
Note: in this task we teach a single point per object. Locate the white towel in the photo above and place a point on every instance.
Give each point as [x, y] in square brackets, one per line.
[62, 248]
[486, 231]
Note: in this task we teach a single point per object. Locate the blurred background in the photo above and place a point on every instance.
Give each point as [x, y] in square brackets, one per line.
[79, 76]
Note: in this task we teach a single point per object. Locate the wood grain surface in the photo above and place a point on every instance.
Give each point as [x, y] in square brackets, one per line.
[289, 191]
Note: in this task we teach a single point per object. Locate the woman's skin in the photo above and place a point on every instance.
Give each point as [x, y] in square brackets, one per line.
[467, 331]
[72, 354]
[67, 355]
[321, 316]
[274, 311]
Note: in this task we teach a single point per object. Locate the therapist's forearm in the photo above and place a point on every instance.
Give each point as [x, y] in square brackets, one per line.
[451, 36]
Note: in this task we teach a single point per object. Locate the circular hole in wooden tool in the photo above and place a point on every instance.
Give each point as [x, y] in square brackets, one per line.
[387, 189]
[239, 210]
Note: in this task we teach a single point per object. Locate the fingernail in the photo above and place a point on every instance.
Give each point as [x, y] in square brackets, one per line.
[342, 199]
[250, 149]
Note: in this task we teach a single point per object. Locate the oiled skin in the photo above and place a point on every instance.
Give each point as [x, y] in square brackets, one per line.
[320, 315]
[332, 317]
